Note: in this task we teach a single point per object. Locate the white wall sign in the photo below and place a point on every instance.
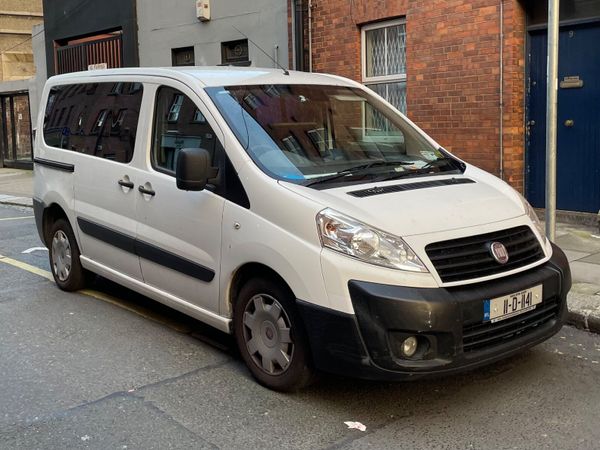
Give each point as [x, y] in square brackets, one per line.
[99, 66]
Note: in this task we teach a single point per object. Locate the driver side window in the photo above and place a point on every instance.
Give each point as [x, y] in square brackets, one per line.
[178, 124]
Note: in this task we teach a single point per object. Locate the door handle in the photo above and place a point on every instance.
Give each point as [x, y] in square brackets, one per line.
[126, 183]
[569, 123]
[143, 190]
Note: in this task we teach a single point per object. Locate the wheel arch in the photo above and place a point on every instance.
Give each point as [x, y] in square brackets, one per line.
[51, 214]
[251, 270]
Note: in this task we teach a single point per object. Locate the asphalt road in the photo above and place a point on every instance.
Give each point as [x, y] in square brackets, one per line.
[112, 369]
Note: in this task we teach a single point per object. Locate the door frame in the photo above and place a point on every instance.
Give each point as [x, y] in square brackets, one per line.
[13, 162]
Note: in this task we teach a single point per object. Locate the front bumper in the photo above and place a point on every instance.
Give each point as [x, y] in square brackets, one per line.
[447, 321]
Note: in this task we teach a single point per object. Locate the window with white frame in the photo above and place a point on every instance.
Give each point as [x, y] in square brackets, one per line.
[384, 60]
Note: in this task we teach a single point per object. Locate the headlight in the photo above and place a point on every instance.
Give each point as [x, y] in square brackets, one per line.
[351, 237]
[534, 218]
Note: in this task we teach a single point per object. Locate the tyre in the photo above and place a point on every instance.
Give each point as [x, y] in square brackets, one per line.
[271, 337]
[64, 253]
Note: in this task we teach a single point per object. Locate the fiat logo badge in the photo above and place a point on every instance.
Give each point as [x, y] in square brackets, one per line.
[498, 251]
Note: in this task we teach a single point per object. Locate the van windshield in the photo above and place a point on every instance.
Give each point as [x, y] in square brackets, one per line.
[322, 135]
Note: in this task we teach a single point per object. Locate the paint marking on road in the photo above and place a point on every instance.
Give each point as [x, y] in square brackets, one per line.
[123, 304]
[35, 249]
[27, 267]
[136, 309]
[16, 218]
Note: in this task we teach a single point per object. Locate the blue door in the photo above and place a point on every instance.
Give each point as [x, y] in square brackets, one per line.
[578, 138]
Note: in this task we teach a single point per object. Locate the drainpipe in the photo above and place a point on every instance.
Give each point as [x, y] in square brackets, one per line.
[310, 35]
[501, 89]
[299, 35]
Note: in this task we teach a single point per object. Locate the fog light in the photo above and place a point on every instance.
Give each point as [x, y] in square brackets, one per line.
[409, 346]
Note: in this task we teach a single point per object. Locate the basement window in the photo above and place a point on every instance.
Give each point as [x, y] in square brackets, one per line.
[235, 53]
[183, 56]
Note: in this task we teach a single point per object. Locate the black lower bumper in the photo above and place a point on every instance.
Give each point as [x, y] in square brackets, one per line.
[448, 324]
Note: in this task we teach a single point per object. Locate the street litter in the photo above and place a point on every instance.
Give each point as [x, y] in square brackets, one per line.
[356, 426]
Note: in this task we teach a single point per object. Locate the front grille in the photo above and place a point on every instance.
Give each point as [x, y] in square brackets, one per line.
[484, 335]
[469, 257]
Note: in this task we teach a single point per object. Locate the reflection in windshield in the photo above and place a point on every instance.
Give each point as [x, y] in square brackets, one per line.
[303, 133]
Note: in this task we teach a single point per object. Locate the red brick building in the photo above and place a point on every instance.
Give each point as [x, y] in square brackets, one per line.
[458, 68]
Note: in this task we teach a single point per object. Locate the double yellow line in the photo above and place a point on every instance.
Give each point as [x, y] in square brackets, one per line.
[129, 306]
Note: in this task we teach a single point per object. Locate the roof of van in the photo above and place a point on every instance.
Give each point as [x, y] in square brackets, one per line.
[210, 76]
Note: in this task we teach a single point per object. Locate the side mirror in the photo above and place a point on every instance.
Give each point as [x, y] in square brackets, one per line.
[193, 169]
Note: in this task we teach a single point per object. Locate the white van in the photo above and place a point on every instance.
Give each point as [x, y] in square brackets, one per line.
[300, 212]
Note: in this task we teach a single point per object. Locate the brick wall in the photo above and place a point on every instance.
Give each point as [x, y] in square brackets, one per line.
[453, 73]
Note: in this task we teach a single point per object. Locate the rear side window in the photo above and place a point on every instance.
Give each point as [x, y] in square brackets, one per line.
[98, 119]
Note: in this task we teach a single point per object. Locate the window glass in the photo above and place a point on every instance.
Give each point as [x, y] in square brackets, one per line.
[306, 133]
[175, 108]
[384, 48]
[178, 124]
[98, 119]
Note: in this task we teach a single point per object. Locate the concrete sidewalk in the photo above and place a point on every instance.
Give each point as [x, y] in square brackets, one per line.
[581, 245]
[16, 187]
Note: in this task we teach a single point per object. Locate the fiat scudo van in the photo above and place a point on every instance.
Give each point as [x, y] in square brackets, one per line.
[301, 212]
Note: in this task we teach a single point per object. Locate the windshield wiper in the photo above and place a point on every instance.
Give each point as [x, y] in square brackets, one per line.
[459, 165]
[408, 173]
[355, 169]
[428, 168]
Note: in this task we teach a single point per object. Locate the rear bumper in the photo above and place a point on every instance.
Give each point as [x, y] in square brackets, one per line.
[38, 212]
[447, 321]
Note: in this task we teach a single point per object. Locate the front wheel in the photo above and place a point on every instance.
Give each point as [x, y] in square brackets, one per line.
[68, 273]
[270, 336]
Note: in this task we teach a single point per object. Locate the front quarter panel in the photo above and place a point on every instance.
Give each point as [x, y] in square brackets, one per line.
[250, 238]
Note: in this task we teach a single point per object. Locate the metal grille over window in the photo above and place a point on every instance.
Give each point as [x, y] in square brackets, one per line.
[384, 61]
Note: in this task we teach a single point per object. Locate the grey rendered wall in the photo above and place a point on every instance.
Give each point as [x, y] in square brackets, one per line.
[167, 24]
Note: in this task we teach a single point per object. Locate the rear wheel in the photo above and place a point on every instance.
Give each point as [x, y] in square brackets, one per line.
[270, 336]
[64, 254]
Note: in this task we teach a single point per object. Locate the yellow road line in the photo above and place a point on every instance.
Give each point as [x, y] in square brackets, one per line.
[136, 309]
[16, 218]
[27, 267]
[123, 304]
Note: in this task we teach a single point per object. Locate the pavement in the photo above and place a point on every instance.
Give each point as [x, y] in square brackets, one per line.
[581, 244]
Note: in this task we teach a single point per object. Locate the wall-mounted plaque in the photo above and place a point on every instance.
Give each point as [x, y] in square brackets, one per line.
[572, 82]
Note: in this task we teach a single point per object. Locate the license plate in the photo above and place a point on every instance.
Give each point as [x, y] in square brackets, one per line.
[500, 308]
